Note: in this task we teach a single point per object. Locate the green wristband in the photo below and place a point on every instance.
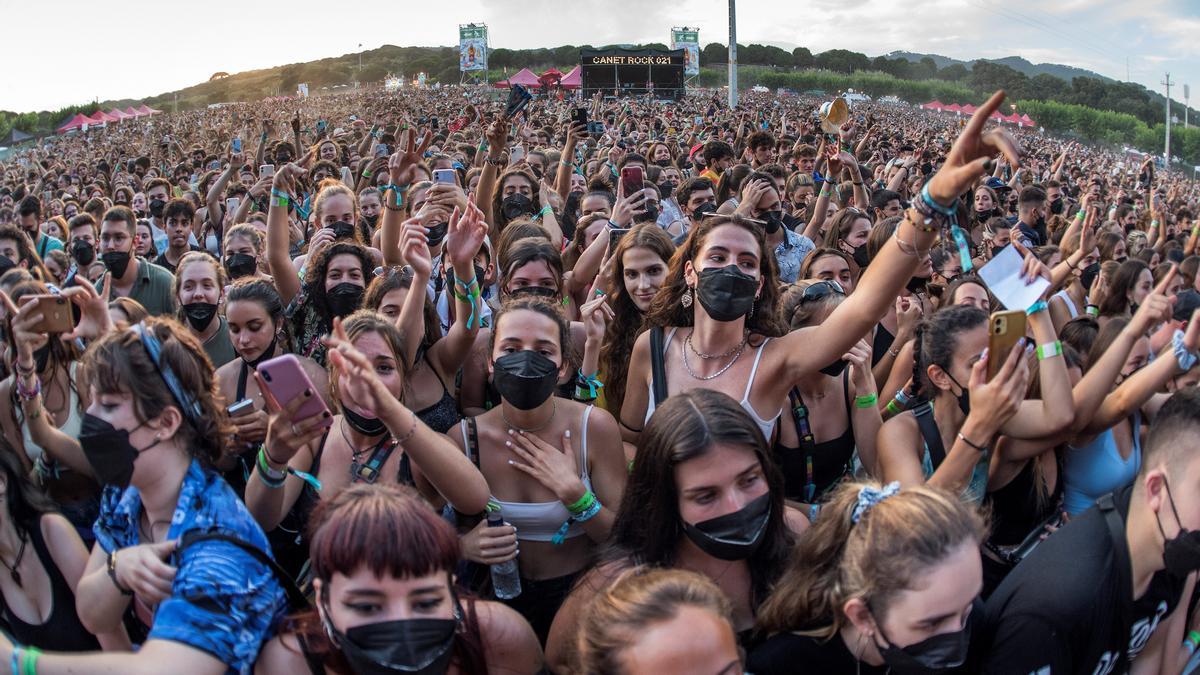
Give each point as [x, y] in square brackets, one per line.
[584, 502]
[868, 401]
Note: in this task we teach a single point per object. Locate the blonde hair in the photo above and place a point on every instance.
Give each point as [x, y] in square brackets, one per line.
[873, 560]
[195, 258]
[638, 599]
[328, 188]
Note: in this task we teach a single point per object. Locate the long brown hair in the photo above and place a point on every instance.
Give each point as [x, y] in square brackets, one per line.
[623, 330]
[667, 309]
[360, 323]
[880, 556]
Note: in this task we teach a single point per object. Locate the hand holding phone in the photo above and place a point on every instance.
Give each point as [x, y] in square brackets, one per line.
[1004, 330]
[298, 414]
[632, 180]
[266, 171]
[55, 311]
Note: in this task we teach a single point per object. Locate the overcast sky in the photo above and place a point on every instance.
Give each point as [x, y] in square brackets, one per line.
[69, 51]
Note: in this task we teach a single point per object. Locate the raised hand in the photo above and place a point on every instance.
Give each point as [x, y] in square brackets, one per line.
[994, 402]
[465, 235]
[361, 381]
[971, 152]
[402, 165]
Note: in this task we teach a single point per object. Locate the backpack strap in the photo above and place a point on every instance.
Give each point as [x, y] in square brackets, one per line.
[931, 434]
[296, 600]
[1124, 569]
[658, 366]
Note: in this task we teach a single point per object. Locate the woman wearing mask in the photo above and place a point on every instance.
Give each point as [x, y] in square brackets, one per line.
[44, 559]
[199, 292]
[1127, 289]
[334, 279]
[516, 193]
[886, 581]
[370, 206]
[834, 413]
[337, 222]
[555, 475]
[243, 253]
[152, 433]
[375, 438]
[704, 496]
[1112, 247]
[659, 621]
[848, 231]
[383, 605]
[986, 204]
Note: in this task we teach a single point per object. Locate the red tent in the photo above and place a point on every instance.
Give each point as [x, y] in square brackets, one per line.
[525, 78]
[132, 112]
[969, 109]
[573, 79]
[1027, 121]
[934, 105]
[101, 117]
[118, 114]
[75, 122]
[1012, 119]
[996, 116]
[146, 110]
[954, 107]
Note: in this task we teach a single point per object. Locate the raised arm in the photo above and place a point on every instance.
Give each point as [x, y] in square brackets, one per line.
[283, 190]
[402, 169]
[497, 136]
[463, 241]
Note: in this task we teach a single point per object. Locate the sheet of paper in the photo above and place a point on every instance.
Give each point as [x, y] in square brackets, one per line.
[1002, 275]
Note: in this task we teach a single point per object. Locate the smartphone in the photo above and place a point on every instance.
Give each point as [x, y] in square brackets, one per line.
[242, 407]
[266, 171]
[518, 98]
[214, 165]
[631, 178]
[320, 125]
[1004, 330]
[237, 145]
[446, 176]
[55, 311]
[381, 150]
[231, 204]
[614, 237]
[285, 379]
[580, 116]
[698, 120]
[516, 154]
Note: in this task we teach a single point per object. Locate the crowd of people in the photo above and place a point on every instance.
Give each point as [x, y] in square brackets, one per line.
[282, 381]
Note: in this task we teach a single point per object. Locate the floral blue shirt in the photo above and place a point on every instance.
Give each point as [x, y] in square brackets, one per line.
[790, 254]
[223, 602]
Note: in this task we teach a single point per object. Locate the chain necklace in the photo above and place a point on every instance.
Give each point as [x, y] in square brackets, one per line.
[737, 355]
[12, 569]
[738, 346]
[531, 430]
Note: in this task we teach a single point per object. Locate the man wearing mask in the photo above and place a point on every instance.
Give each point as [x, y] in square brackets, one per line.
[29, 215]
[177, 219]
[696, 198]
[718, 156]
[762, 203]
[158, 193]
[1055, 198]
[1108, 593]
[668, 182]
[1031, 216]
[139, 279]
[82, 231]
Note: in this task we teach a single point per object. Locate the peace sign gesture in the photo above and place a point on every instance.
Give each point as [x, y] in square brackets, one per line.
[972, 152]
[402, 165]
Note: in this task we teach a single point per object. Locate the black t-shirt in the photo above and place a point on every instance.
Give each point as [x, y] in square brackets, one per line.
[162, 261]
[1058, 611]
[789, 654]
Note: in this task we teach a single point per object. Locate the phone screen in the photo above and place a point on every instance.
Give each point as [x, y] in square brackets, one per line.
[614, 237]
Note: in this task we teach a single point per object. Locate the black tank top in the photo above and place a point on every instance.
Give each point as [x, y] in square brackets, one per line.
[881, 343]
[1015, 507]
[812, 469]
[62, 631]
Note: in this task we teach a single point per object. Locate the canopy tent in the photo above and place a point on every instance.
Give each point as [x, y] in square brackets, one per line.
[996, 116]
[1027, 120]
[75, 122]
[147, 110]
[968, 109]
[101, 117]
[953, 107]
[550, 78]
[119, 114]
[132, 112]
[525, 77]
[573, 79]
[14, 137]
[935, 105]
[1012, 119]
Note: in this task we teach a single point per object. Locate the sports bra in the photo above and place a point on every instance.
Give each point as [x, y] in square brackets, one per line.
[535, 521]
[766, 425]
[442, 415]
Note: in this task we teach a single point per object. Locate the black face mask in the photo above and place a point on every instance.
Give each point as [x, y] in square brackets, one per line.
[835, 369]
[916, 285]
[1181, 555]
[344, 298]
[663, 162]
[534, 291]
[667, 188]
[699, 212]
[437, 233]
[1057, 206]
[733, 536]
[515, 206]
[982, 216]
[156, 207]
[1040, 224]
[241, 265]
[342, 230]
[367, 426]
[726, 293]
[280, 160]
[117, 262]
[939, 653]
[525, 379]
[996, 250]
[83, 252]
[422, 646]
[651, 214]
[963, 395]
[372, 221]
[479, 274]
[109, 451]
[200, 314]
[6, 264]
[774, 221]
[861, 257]
[266, 354]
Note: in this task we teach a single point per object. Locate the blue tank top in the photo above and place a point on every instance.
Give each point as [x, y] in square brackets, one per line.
[1094, 470]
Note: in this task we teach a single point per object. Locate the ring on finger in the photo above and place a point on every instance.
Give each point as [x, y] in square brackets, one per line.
[295, 431]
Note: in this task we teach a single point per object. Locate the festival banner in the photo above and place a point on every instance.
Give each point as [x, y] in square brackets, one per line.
[689, 42]
[472, 48]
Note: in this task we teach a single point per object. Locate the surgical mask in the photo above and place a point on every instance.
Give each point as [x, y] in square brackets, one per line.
[1181, 554]
[774, 221]
[515, 206]
[699, 212]
[6, 264]
[667, 188]
[156, 207]
[943, 652]
[83, 252]
[963, 396]
[651, 214]
[342, 230]
[437, 233]
[344, 298]
[116, 262]
[367, 426]
[422, 646]
[663, 162]
[726, 293]
[733, 536]
[525, 379]
[241, 265]
[200, 314]
[109, 451]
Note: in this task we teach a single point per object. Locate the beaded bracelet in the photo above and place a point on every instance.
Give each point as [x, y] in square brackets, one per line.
[28, 394]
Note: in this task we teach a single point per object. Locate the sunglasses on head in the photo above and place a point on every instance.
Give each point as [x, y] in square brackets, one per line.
[822, 289]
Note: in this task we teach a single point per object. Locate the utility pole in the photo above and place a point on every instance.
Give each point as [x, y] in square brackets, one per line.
[1186, 95]
[1167, 151]
[733, 94]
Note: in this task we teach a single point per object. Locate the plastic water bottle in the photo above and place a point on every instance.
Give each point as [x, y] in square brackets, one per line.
[506, 579]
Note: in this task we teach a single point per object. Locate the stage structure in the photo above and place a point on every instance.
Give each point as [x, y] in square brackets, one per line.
[473, 53]
[633, 72]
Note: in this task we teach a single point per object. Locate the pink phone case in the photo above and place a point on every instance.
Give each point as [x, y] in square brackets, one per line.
[286, 380]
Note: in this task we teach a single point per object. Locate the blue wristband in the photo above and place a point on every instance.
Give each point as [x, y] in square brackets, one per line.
[1039, 306]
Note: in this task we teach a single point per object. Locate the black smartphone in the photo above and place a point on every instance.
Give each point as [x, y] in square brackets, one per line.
[614, 237]
[580, 116]
[518, 98]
